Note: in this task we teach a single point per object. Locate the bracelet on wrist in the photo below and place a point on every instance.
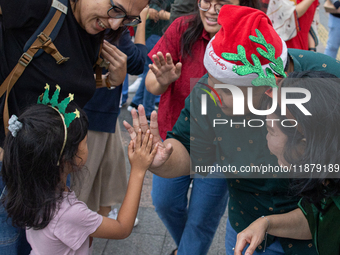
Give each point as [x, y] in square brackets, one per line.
[265, 238]
[107, 82]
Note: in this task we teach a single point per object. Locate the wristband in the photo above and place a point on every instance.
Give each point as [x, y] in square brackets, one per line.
[265, 238]
[108, 85]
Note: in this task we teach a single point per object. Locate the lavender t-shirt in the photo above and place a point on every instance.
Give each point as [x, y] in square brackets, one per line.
[68, 232]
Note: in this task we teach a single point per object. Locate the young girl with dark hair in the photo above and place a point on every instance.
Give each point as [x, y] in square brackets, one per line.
[313, 142]
[183, 46]
[43, 146]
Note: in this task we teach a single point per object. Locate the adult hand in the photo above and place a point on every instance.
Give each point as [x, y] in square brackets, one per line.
[165, 71]
[139, 121]
[118, 63]
[254, 235]
[153, 14]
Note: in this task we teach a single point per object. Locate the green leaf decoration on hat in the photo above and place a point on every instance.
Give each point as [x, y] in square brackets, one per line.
[61, 107]
[277, 63]
[264, 78]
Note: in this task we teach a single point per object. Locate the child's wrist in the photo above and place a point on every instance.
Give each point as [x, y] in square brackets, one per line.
[138, 171]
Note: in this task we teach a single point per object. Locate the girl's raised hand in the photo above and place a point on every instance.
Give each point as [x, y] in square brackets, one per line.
[141, 154]
[139, 121]
[164, 69]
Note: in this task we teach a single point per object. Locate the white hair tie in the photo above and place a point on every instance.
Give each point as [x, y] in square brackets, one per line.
[14, 125]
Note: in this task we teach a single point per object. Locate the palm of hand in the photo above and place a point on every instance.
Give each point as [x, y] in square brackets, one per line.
[161, 156]
[167, 74]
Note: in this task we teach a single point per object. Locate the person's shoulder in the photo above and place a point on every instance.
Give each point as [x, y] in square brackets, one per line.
[183, 20]
[298, 53]
[30, 12]
[310, 60]
[70, 206]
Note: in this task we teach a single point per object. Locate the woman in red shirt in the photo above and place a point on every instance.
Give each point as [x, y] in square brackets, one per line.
[183, 45]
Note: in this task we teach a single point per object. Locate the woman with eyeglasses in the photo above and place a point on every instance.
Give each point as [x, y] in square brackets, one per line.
[78, 40]
[178, 57]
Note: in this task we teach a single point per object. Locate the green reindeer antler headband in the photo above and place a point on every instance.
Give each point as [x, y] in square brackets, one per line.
[67, 118]
[264, 78]
[268, 59]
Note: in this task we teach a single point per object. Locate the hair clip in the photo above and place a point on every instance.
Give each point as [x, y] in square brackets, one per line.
[14, 125]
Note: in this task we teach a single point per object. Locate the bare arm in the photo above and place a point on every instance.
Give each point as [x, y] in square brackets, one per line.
[141, 155]
[288, 225]
[164, 15]
[0, 11]
[302, 7]
[140, 32]
[153, 86]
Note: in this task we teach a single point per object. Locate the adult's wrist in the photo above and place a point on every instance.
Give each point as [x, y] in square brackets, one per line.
[107, 82]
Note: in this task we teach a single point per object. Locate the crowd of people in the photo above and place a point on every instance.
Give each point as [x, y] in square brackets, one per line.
[62, 157]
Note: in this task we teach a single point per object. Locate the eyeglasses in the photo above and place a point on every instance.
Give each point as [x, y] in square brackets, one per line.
[116, 12]
[205, 5]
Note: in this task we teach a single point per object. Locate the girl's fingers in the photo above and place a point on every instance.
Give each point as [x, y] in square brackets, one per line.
[146, 139]
[149, 143]
[130, 148]
[154, 151]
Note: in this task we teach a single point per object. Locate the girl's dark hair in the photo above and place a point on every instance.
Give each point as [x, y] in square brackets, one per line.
[195, 29]
[30, 172]
[321, 131]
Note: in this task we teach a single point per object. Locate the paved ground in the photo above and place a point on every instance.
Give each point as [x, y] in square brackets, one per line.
[150, 237]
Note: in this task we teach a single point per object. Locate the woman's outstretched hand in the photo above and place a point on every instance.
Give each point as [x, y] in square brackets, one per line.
[252, 235]
[139, 121]
[164, 69]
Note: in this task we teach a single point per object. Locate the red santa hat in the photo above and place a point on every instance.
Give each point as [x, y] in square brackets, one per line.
[246, 46]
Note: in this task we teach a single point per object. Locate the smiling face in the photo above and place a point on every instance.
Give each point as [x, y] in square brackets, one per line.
[92, 14]
[209, 18]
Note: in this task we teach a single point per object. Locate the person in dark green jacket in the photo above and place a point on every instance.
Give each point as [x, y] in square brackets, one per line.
[313, 148]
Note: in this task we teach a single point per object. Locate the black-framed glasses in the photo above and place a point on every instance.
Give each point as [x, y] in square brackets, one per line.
[204, 5]
[116, 12]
